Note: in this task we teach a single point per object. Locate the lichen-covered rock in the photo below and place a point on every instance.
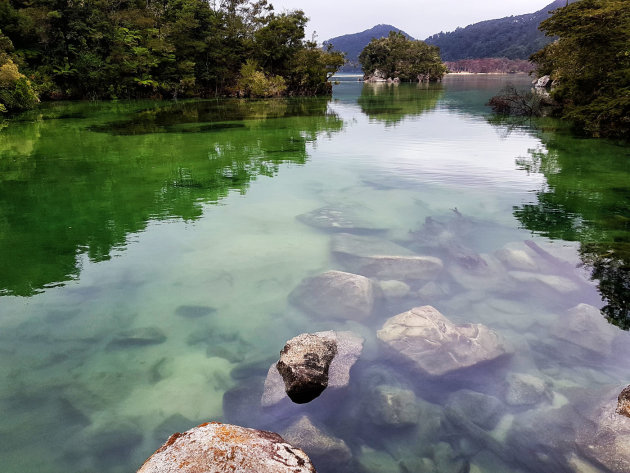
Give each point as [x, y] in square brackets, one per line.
[222, 448]
[349, 347]
[304, 364]
[383, 259]
[623, 402]
[437, 346]
[337, 295]
[318, 444]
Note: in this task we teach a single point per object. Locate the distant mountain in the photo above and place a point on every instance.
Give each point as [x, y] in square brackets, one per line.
[513, 37]
[353, 44]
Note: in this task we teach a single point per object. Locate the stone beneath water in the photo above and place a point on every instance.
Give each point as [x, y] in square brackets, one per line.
[437, 346]
[393, 289]
[304, 364]
[383, 259]
[393, 407]
[465, 406]
[584, 326]
[194, 311]
[349, 347]
[137, 337]
[339, 219]
[623, 402]
[316, 443]
[337, 295]
[525, 390]
[217, 447]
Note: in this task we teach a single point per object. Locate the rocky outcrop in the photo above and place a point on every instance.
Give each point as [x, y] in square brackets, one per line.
[435, 345]
[336, 295]
[304, 364]
[623, 402]
[349, 347]
[218, 448]
[383, 259]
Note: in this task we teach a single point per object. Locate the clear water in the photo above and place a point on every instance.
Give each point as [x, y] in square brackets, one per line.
[179, 219]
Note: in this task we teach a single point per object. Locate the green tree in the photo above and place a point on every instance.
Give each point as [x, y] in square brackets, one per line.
[590, 64]
[408, 60]
[16, 92]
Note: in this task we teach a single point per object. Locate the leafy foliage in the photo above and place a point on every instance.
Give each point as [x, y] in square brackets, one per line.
[170, 48]
[590, 63]
[254, 83]
[397, 56]
[16, 92]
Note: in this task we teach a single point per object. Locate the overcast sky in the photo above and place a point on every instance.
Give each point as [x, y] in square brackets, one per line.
[419, 18]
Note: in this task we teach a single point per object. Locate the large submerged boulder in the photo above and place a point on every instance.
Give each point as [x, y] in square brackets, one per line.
[317, 443]
[219, 448]
[348, 349]
[585, 327]
[383, 259]
[338, 219]
[435, 345]
[335, 294]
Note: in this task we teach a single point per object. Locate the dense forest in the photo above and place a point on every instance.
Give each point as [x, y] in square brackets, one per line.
[396, 56]
[62, 49]
[513, 37]
[490, 64]
[589, 64]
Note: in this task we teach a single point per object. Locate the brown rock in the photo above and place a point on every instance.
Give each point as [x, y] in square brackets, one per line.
[623, 402]
[437, 346]
[223, 448]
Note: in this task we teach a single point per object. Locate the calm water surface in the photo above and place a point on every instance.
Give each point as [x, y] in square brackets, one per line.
[147, 251]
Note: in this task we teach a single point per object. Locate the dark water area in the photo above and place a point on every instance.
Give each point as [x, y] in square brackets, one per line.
[149, 250]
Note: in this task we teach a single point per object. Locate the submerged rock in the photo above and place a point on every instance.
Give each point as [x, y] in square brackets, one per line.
[194, 311]
[349, 347]
[217, 447]
[437, 346]
[465, 406]
[393, 406]
[383, 259]
[304, 364]
[335, 294]
[137, 337]
[584, 326]
[316, 443]
[525, 390]
[393, 289]
[623, 402]
[341, 219]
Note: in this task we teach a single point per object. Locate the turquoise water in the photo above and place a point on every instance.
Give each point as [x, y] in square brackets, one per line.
[147, 250]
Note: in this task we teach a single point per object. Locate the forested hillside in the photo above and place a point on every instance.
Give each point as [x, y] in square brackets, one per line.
[137, 48]
[513, 37]
[353, 44]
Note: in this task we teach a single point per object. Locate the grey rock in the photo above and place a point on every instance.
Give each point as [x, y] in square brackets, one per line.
[349, 347]
[584, 326]
[525, 390]
[393, 407]
[557, 283]
[194, 311]
[138, 337]
[383, 259]
[393, 289]
[304, 364]
[339, 219]
[437, 346]
[315, 442]
[433, 291]
[335, 294]
[465, 406]
[217, 447]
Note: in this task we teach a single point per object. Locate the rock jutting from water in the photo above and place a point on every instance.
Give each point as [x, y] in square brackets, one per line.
[304, 364]
[383, 259]
[337, 295]
[215, 447]
[623, 402]
[435, 345]
[348, 349]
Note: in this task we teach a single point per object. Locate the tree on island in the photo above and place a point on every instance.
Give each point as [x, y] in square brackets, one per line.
[590, 65]
[398, 57]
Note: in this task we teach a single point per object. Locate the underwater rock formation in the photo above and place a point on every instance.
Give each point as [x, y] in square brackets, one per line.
[216, 447]
[435, 345]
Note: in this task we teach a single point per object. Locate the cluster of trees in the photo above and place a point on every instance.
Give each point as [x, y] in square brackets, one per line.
[590, 64]
[158, 48]
[490, 64]
[514, 37]
[406, 59]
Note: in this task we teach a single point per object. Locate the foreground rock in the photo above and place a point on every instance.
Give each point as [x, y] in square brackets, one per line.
[623, 402]
[348, 349]
[304, 364]
[437, 346]
[218, 448]
[337, 295]
[383, 259]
